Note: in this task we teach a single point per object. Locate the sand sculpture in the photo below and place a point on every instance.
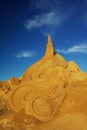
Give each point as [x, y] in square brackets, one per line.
[51, 95]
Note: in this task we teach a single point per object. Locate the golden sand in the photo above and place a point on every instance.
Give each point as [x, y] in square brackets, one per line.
[51, 95]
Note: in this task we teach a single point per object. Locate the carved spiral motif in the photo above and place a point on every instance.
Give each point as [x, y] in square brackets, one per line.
[41, 108]
[42, 93]
[42, 105]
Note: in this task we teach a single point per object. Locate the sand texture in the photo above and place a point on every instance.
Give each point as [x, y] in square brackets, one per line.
[50, 95]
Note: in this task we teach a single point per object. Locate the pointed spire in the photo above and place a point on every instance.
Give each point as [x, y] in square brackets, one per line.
[50, 51]
[49, 38]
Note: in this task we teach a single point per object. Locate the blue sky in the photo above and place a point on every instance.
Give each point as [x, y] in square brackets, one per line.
[25, 24]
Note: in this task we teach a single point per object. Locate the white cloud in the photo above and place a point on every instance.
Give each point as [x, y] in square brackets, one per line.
[82, 48]
[24, 54]
[78, 48]
[45, 20]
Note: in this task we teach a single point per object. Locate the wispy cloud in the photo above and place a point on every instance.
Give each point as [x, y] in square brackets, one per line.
[52, 15]
[81, 48]
[49, 19]
[24, 54]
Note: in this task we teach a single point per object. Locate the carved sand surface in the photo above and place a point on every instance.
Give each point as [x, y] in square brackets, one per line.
[50, 95]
